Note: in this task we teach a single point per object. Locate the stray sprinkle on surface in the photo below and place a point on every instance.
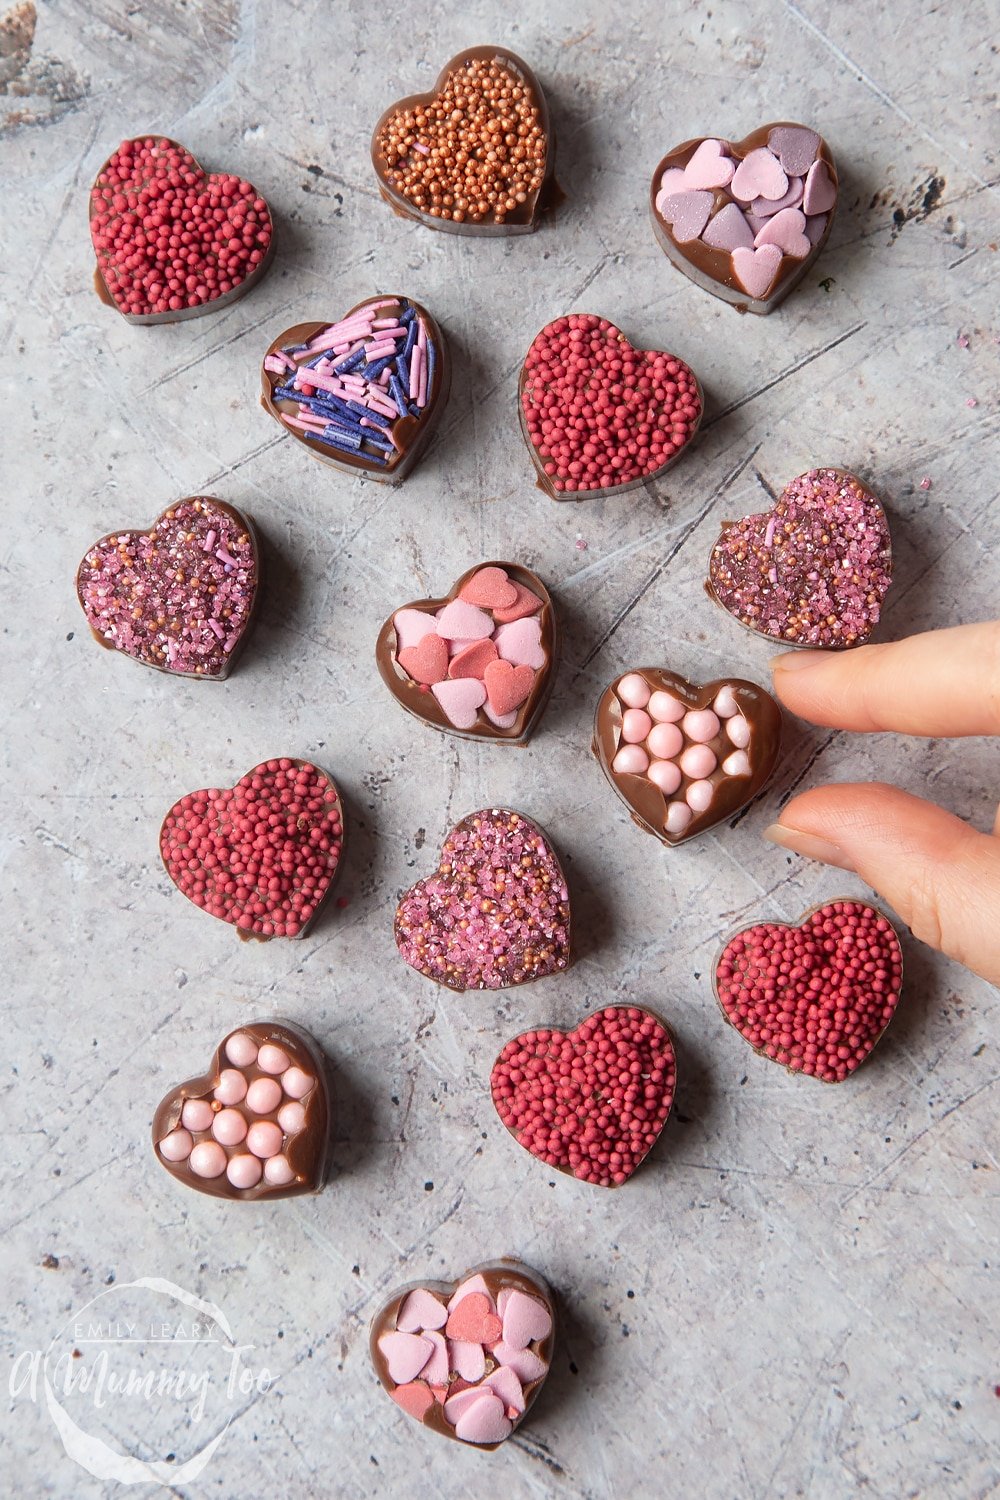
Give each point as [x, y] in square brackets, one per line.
[972, 401]
[926, 482]
[963, 341]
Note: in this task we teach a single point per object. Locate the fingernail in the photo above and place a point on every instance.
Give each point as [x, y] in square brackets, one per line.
[796, 661]
[809, 846]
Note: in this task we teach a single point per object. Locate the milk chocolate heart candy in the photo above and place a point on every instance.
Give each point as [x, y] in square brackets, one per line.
[474, 156]
[495, 913]
[736, 251]
[817, 996]
[262, 855]
[362, 394]
[813, 570]
[256, 1125]
[467, 1358]
[172, 241]
[611, 1082]
[419, 656]
[639, 409]
[180, 597]
[683, 757]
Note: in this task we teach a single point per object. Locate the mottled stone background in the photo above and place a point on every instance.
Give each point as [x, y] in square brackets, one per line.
[798, 1295]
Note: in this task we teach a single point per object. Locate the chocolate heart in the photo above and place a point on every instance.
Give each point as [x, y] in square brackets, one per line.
[467, 1358]
[256, 1124]
[180, 597]
[362, 394]
[610, 1081]
[813, 570]
[424, 679]
[476, 155]
[639, 408]
[262, 855]
[172, 241]
[684, 757]
[816, 996]
[777, 169]
[495, 913]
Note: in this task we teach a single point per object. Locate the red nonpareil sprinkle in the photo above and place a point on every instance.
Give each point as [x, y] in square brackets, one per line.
[167, 235]
[599, 413]
[261, 855]
[816, 997]
[593, 1101]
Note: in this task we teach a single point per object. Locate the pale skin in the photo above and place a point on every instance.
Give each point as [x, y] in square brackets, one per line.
[941, 875]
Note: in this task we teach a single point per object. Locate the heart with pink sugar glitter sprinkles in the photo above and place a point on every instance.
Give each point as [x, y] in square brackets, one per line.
[467, 1358]
[815, 997]
[812, 571]
[261, 855]
[495, 913]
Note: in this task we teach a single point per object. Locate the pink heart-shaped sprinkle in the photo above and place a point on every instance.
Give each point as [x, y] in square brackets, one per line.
[525, 1363]
[461, 621]
[467, 1359]
[756, 269]
[421, 1309]
[484, 1421]
[759, 175]
[471, 1284]
[460, 1402]
[820, 194]
[461, 699]
[795, 147]
[473, 660]
[405, 1355]
[816, 228]
[503, 1297]
[687, 214]
[435, 1371]
[507, 687]
[507, 1386]
[411, 627]
[765, 207]
[455, 648]
[502, 721]
[525, 1319]
[526, 603]
[520, 643]
[728, 229]
[474, 1321]
[490, 588]
[709, 167]
[427, 662]
[672, 181]
[414, 1399]
[786, 230]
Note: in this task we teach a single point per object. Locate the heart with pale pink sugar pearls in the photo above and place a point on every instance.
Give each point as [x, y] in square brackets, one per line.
[467, 1359]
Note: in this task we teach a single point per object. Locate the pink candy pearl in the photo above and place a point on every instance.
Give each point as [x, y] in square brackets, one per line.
[197, 1114]
[229, 1127]
[278, 1171]
[296, 1083]
[666, 775]
[272, 1059]
[636, 724]
[737, 764]
[232, 1086]
[678, 817]
[631, 759]
[738, 731]
[698, 761]
[176, 1146]
[208, 1159]
[665, 708]
[244, 1171]
[699, 796]
[241, 1049]
[633, 690]
[725, 704]
[264, 1138]
[701, 725]
[665, 741]
[292, 1116]
[264, 1095]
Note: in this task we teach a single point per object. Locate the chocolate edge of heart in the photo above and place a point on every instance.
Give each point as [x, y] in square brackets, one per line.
[547, 195]
[423, 426]
[507, 1272]
[562, 1031]
[542, 480]
[241, 517]
[307, 927]
[796, 926]
[723, 286]
[765, 722]
[182, 314]
[317, 1128]
[530, 712]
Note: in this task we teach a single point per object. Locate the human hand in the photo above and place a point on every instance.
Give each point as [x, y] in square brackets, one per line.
[942, 876]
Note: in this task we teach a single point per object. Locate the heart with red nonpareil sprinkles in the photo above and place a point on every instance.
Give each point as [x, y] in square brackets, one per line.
[181, 596]
[817, 996]
[813, 570]
[479, 662]
[495, 913]
[467, 1358]
[172, 240]
[262, 855]
[590, 1102]
[600, 416]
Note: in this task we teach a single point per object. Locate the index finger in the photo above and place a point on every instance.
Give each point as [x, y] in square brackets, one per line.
[945, 683]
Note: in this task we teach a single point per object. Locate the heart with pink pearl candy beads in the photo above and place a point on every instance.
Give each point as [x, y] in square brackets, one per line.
[683, 757]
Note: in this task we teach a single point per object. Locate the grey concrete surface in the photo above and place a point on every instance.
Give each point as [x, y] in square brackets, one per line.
[798, 1295]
